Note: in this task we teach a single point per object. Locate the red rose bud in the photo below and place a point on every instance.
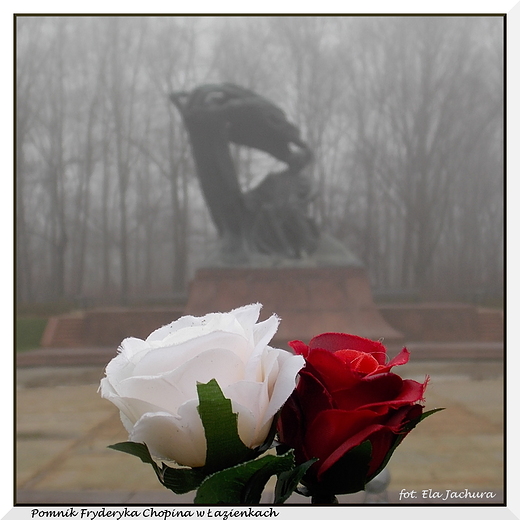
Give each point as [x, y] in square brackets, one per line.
[346, 396]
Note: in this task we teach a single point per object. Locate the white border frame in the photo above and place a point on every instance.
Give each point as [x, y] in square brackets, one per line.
[510, 8]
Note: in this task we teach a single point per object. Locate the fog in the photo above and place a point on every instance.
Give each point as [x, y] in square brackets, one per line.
[405, 116]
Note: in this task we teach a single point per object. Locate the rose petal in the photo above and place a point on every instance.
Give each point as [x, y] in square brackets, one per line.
[190, 327]
[167, 358]
[248, 428]
[191, 323]
[270, 366]
[334, 432]
[381, 392]
[131, 408]
[383, 439]
[285, 383]
[290, 429]
[250, 395]
[333, 341]
[247, 316]
[300, 347]
[309, 385]
[264, 331]
[122, 366]
[171, 389]
[369, 391]
[352, 442]
[180, 438]
[261, 363]
[358, 361]
[331, 370]
[401, 359]
[154, 382]
[411, 392]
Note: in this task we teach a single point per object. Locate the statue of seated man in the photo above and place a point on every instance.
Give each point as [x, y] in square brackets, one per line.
[272, 218]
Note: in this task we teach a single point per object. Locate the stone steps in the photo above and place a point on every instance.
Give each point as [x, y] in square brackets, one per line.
[64, 331]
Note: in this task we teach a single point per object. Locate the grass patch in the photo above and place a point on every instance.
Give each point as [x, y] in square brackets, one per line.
[28, 333]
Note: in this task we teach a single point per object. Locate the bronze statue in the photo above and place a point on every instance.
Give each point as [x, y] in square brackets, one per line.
[270, 219]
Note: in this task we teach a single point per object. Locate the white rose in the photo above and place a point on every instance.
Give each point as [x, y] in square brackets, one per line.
[154, 382]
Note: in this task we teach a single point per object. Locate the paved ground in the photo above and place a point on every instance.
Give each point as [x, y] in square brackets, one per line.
[63, 429]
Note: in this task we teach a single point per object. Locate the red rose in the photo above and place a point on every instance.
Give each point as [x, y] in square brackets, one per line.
[346, 396]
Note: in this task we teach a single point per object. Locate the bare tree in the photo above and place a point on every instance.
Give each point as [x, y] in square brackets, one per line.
[421, 111]
[28, 72]
[404, 115]
[48, 134]
[125, 47]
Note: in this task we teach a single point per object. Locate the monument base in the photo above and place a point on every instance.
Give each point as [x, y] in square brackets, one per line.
[309, 301]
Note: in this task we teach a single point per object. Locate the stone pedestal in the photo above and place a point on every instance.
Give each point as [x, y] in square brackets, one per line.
[308, 300]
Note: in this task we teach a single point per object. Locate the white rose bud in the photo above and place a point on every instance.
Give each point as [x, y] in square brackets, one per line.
[154, 382]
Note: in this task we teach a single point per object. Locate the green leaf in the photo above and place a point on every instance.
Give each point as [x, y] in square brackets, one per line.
[347, 475]
[288, 481]
[409, 427]
[134, 448]
[268, 443]
[244, 483]
[272, 465]
[224, 446]
[181, 480]
[178, 480]
[225, 449]
[428, 413]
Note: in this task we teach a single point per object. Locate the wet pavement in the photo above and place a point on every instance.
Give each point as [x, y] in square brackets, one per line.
[64, 427]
